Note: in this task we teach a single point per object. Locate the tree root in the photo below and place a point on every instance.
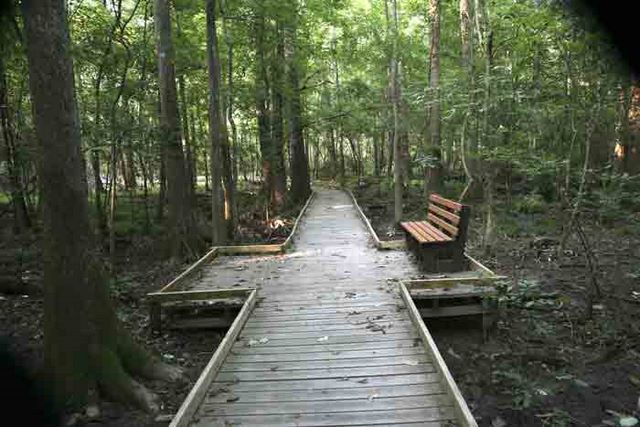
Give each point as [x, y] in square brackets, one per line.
[115, 383]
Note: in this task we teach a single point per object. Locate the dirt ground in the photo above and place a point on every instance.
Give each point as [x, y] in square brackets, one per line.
[547, 361]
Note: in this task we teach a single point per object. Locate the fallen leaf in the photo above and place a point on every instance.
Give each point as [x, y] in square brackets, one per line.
[498, 422]
[454, 354]
[628, 421]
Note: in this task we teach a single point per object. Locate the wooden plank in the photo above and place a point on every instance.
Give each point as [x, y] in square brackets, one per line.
[249, 357]
[315, 407]
[327, 346]
[287, 243]
[342, 339]
[437, 232]
[459, 310]
[251, 249]
[349, 383]
[350, 313]
[416, 232]
[424, 416]
[201, 323]
[213, 294]
[223, 394]
[232, 364]
[199, 390]
[317, 334]
[348, 320]
[328, 328]
[436, 198]
[453, 231]
[451, 217]
[477, 265]
[208, 257]
[319, 309]
[366, 221]
[463, 414]
[319, 305]
[335, 373]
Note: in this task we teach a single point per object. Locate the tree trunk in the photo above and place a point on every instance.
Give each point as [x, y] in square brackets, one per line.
[279, 177]
[217, 132]
[433, 176]
[182, 236]
[262, 107]
[85, 348]
[187, 137]
[467, 64]
[395, 96]
[300, 188]
[232, 150]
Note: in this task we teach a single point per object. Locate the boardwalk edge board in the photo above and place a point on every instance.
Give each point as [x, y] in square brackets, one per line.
[463, 414]
[199, 390]
[380, 244]
[155, 299]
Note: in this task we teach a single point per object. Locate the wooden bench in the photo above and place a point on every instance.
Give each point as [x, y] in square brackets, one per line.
[439, 241]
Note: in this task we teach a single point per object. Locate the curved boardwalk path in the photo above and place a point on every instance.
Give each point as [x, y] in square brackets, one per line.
[330, 341]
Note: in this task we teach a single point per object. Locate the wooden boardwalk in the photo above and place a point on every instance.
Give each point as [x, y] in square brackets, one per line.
[330, 340]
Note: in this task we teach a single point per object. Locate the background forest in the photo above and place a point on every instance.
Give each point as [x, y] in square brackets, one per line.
[520, 108]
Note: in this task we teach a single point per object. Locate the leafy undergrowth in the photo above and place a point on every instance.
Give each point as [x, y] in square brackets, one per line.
[547, 361]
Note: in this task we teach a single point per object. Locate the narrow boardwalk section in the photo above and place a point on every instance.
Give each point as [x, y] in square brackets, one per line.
[330, 341]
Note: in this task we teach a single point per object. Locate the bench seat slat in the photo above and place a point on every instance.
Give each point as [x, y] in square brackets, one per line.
[416, 232]
[424, 232]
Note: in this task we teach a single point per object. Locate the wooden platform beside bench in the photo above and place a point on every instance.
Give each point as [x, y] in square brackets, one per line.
[439, 241]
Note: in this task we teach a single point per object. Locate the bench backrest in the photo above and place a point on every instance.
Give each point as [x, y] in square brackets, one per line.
[452, 218]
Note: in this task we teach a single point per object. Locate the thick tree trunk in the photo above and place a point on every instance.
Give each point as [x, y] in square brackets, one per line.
[279, 176]
[217, 131]
[230, 150]
[182, 237]
[300, 188]
[85, 348]
[467, 64]
[433, 176]
[262, 108]
[395, 96]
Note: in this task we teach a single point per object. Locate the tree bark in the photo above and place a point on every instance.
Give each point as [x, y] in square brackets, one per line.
[395, 96]
[300, 188]
[85, 348]
[433, 176]
[279, 176]
[217, 131]
[182, 236]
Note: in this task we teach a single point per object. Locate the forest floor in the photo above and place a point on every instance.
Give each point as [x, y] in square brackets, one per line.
[138, 271]
[546, 361]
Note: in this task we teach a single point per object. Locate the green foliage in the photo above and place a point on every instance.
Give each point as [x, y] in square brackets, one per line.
[526, 294]
[530, 204]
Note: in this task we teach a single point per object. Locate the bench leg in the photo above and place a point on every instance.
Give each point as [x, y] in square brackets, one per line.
[155, 316]
[429, 259]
